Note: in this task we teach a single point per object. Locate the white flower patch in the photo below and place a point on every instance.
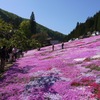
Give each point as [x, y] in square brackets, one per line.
[98, 79]
[22, 97]
[41, 73]
[81, 88]
[65, 79]
[52, 96]
[89, 74]
[54, 70]
[96, 56]
[79, 59]
[38, 73]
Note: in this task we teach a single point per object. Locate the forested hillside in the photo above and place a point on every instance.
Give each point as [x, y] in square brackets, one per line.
[15, 30]
[81, 29]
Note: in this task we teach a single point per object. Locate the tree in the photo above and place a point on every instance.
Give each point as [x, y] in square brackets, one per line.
[5, 29]
[32, 24]
[19, 40]
[98, 23]
[41, 37]
[25, 28]
[33, 44]
[4, 42]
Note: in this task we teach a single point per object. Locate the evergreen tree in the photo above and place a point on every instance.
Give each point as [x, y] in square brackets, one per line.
[32, 24]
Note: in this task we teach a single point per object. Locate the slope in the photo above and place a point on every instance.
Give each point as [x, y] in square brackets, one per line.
[72, 73]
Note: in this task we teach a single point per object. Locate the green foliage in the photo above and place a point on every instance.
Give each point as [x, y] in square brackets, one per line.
[4, 42]
[5, 29]
[34, 44]
[24, 33]
[98, 22]
[41, 37]
[81, 29]
[19, 40]
[25, 27]
[10, 18]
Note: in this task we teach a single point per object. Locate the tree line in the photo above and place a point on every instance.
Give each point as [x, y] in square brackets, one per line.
[81, 29]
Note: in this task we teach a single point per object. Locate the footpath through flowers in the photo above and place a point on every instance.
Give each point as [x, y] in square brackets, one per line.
[72, 73]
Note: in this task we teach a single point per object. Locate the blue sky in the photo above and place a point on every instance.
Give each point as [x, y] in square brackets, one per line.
[58, 15]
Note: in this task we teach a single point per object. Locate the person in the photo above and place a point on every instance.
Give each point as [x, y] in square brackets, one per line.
[3, 58]
[62, 45]
[10, 54]
[53, 47]
[14, 52]
[20, 52]
[39, 49]
[7, 55]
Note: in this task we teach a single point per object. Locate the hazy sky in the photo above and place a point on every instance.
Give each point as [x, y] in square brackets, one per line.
[58, 15]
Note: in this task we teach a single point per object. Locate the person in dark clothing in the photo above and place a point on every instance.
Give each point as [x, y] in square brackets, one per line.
[62, 45]
[3, 58]
[53, 47]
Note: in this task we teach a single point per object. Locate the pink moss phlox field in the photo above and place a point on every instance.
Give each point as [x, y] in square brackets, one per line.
[72, 73]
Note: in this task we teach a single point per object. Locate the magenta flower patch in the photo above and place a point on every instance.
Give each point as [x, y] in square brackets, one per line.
[72, 73]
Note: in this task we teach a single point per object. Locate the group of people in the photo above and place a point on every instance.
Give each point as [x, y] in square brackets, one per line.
[62, 46]
[12, 53]
[8, 55]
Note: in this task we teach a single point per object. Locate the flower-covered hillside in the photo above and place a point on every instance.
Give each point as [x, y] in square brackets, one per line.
[72, 73]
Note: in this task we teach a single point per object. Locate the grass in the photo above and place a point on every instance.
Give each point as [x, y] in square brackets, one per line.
[94, 67]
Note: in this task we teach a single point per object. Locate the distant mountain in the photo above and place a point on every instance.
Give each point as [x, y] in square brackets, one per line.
[81, 29]
[15, 21]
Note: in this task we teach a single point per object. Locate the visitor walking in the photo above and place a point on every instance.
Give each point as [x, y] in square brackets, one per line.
[62, 45]
[53, 47]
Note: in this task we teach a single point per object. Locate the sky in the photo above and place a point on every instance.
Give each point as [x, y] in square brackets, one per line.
[58, 15]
